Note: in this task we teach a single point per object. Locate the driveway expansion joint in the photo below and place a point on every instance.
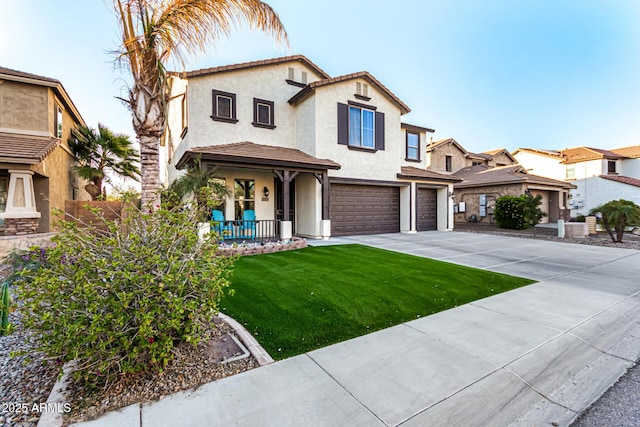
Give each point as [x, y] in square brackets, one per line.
[539, 392]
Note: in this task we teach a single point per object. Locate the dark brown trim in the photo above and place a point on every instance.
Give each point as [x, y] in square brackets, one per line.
[214, 115]
[270, 104]
[415, 128]
[294, 83]
[184, 132]
[338, 180]
[411, 212]
[365, 106]
[424, 178]
[362, 97]
[412, 160]
[243, 162]
[359, 148]
[406, 143]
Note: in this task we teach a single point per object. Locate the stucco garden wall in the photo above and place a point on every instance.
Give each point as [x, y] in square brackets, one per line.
[471, 197]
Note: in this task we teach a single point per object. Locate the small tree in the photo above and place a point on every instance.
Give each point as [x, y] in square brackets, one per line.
[518, 213]
[201, 186]
[120, 302]
[100, 151]
[617, 215]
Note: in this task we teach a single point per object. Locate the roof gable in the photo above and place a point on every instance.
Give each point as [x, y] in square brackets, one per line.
[443, 143]
[311, 87]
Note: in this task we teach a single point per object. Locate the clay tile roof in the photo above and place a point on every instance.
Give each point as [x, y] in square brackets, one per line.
[361, 74]
[623, 179]
[16, 73]
[413, 172]
[253, 64]
[631, 152]
[547, 153]
[25, 149]
[250, 153]
[581, 154]
[482, 175]
[493, 152]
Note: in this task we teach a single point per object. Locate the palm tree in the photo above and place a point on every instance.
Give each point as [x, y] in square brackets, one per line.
[100, 151]
[155, 31]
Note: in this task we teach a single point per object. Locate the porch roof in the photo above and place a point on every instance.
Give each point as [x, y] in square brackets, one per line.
[16, 148]
[249, 154]
[411, 172]
[482, 175]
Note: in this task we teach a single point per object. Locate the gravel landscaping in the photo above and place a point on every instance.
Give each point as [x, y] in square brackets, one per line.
[29, 378]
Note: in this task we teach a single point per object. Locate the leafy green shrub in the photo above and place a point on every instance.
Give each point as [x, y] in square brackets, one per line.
[581, 218]
[518, 213]
[119, 302]
[617, 215]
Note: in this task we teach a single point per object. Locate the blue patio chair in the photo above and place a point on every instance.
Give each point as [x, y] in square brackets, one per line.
[248, 224]
[220, 226]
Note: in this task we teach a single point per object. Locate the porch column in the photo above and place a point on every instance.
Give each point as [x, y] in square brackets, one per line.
[20, 215]
[286, 227]
[325, 224]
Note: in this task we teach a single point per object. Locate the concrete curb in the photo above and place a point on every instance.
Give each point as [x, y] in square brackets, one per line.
[252, 345]
[57, 398]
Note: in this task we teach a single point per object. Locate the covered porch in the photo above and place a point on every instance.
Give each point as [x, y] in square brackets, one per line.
[274, 192]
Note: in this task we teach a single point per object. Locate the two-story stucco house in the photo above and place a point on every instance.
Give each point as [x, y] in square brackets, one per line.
[487, 176]
[36, 118]
[319, 155]
[598, 175]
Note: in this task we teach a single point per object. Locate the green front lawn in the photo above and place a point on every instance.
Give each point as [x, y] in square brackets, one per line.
[297, 301]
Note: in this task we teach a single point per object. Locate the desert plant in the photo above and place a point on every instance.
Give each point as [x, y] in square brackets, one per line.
[5, 305]
[518, 213]
[616, 215]
[120, 302]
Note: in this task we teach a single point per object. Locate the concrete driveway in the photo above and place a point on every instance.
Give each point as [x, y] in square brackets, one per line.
[532, 356]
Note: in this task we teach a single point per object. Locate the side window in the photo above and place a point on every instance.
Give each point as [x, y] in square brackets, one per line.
[448, 163]
[57, 122]
[224, 106]
[244, 195]
[263, 114]
[413, 146]
[571, 172]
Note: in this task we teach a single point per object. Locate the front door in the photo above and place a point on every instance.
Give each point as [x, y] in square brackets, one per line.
[279, 205]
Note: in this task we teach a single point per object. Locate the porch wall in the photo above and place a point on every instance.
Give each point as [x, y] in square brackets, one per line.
[308, 206]
[264, 207]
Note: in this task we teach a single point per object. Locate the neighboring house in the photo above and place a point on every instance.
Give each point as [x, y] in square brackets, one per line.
[36, 117]
[599, 175]
[490, 175]
[319, 155]
[482, 186]
[447, 156]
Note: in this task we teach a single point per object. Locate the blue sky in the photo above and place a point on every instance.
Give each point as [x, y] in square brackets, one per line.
[491, 74]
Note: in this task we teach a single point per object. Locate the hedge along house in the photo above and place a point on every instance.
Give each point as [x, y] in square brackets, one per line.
[36, 118]
[318, 155]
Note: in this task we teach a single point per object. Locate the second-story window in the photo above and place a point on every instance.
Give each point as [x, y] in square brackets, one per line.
[224, 106]
[611, 167]
[571, 172]
[361, 127]
[58, 122]
[413, 146]
[448, 166]
[263, 115]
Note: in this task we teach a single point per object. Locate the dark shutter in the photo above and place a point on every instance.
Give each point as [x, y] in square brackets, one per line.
[343, 124]
[379, 131]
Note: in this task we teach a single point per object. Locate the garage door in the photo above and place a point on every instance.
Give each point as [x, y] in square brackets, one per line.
[364, 209]
[427, 210]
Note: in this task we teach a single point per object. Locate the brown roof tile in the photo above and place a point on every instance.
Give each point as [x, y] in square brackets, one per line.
[361, 74]
[581, 154]
[25, 149]
[547, 153]
[250, 153]
[16, 73]
[253, 64]
[481, 175]
[631, 152]
[413, 172]
[623, 179]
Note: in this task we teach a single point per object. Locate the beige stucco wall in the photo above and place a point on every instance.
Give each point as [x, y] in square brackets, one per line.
[308, 206]
[23, 107]
[502, 159]
[438, 158]
[536, 164]
[306, 126]
[264, 208]
[379, 165]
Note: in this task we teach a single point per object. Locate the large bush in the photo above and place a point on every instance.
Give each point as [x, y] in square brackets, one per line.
[119, 300]
[616, 215]
[518, 213]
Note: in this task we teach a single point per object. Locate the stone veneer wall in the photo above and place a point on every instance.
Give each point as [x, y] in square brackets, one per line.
[19, 226]
[11, 243]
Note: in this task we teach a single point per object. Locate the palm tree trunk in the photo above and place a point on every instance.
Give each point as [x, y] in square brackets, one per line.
[150, 171]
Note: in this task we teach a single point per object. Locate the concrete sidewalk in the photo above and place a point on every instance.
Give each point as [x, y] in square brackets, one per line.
[535, 355]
